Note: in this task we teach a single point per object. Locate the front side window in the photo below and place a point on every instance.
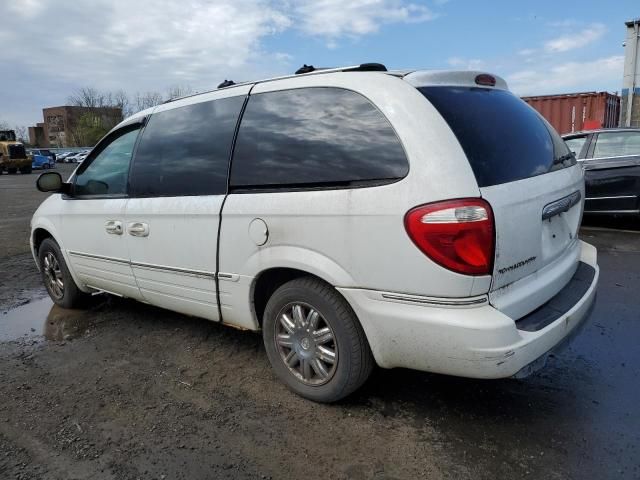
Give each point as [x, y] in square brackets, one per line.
[185, 150]
[107, 172]
[617, 144]
[315, 137]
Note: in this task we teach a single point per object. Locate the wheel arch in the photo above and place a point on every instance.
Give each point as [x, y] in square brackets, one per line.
[268, 281]
[38, 236]
[274, 266]
[42, 230]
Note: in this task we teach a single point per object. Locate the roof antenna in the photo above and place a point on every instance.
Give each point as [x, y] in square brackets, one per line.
[305, 69]
[226, 83]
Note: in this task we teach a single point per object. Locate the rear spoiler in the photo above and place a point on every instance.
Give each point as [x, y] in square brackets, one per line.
[460, 78]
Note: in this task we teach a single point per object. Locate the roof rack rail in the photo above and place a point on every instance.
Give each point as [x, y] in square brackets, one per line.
[371, 67]
[363, 67]
[305, 69]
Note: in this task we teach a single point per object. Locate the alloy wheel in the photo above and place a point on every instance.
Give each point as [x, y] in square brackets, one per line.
[53, 275]
[306, 343]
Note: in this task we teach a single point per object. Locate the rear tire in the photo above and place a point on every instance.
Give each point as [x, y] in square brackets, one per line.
[314, 341]
[56, 277]
[12, 171]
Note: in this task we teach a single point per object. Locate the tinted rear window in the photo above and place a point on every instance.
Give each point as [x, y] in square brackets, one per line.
[504, 139]
[315, 137]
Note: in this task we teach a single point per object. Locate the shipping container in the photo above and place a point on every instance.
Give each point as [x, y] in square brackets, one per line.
[574, 112]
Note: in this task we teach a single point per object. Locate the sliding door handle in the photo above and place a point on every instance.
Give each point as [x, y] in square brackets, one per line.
[138, 229]
[114, 227]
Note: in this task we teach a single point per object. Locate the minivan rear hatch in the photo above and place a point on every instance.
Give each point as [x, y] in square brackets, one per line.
[530, 179]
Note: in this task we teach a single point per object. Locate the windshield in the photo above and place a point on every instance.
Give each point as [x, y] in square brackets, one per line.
[503, 138]
[7, 136]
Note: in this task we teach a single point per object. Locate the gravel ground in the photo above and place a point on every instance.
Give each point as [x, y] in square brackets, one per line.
[123, 390]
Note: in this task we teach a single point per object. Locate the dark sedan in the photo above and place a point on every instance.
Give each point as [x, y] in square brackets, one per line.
[611, 161]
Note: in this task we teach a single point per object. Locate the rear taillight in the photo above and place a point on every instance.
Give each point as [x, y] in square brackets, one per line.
[457, 234]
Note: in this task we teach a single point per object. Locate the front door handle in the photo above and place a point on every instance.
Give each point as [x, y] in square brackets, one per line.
[138, 229]
[114, 227]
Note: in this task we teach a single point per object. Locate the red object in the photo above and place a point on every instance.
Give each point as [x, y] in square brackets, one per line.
[456, 234]
[591, 125]
[486, 79]
[575, 112]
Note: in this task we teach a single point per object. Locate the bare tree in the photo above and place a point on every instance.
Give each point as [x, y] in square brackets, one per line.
[102, 111]
[147, 100]
[121, 100]
[177, 91]
[88, 97]
[4, 125]
[22, 133]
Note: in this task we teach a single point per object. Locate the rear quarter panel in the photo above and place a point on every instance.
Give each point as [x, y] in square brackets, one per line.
[354, 237]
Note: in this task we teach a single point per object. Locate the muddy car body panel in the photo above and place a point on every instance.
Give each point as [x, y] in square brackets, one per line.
[365, 181]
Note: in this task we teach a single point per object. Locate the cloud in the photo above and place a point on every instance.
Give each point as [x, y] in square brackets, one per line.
[337, 18]
[575, 40]
[145, 45]
[527, 52]
[568, 77]
[25, 8]
[467, 63]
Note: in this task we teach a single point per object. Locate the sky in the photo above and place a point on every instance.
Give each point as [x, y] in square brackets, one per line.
[50, 48]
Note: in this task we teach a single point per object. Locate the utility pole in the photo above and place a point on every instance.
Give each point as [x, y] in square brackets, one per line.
[630, 104]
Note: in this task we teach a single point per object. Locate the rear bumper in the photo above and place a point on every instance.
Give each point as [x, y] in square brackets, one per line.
[474, 340]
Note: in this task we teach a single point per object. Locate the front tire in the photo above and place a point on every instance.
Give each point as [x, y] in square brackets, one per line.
[25, 170]
[56, 277]
[314, 341]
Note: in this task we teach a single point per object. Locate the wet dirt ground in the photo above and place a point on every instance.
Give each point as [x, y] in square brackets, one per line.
[123, 390]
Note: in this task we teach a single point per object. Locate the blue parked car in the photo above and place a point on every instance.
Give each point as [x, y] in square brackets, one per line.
[43, 151]
[42, 161]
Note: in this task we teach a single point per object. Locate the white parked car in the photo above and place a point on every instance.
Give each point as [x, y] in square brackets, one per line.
[71, 158]
[81, 157]
[426, 220]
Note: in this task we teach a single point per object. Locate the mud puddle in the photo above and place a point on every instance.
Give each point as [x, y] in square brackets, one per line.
[42, 319]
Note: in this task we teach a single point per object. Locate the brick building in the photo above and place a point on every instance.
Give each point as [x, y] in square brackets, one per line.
[60, 126]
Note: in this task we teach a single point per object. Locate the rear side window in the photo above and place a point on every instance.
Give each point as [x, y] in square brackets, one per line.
[185, 150]
[315, 137]
[617, 144]
[503, 138]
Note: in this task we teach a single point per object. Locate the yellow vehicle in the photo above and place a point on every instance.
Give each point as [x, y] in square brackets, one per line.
[12, 154]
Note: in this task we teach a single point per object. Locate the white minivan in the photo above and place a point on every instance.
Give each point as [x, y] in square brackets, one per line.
[356, 216]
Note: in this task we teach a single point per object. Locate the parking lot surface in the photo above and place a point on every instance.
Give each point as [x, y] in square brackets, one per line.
[124, 390]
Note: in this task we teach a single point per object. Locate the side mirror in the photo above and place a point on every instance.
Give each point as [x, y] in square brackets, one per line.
[50, 182]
